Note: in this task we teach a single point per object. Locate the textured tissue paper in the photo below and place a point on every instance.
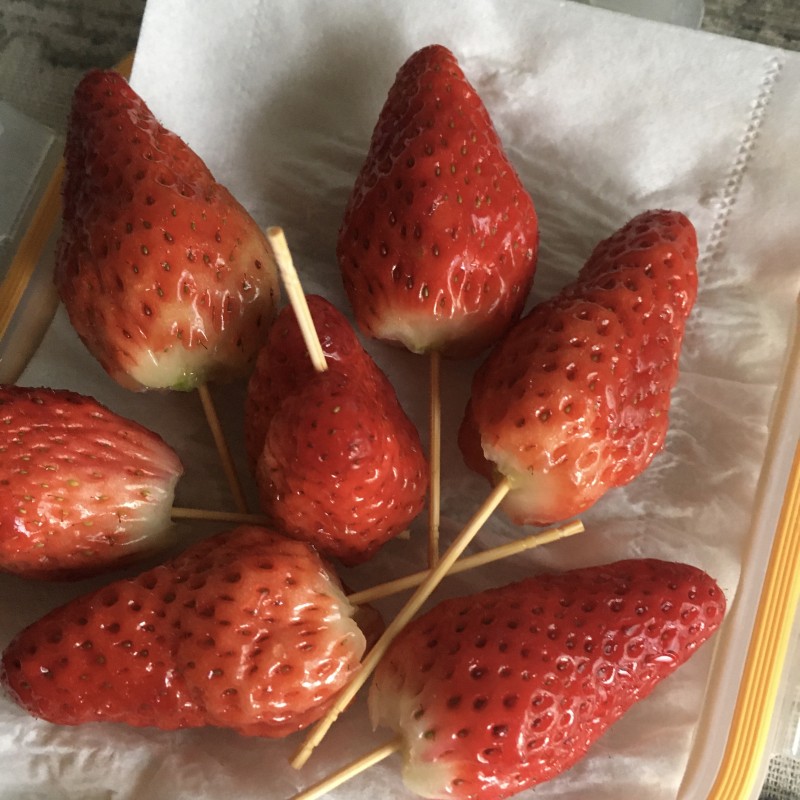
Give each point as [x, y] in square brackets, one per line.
[603, 116]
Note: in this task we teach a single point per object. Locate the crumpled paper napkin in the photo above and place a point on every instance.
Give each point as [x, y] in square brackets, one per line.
[603, 116]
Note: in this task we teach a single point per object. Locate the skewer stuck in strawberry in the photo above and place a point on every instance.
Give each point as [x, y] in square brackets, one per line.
[166, 278]
[439, 239]
[337, 461]
[502, 690]
[81, 488]
[574, 400]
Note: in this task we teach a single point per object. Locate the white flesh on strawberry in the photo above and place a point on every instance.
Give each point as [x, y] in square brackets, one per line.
[533, 495]
[186, 364]
[390, 706]
[146, 517]
[176, 368]
[421, 331]
[108, 496]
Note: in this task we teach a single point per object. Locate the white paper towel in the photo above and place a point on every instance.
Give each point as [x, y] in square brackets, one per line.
[603, 116]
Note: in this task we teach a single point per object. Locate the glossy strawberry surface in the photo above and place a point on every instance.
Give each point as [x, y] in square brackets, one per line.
[246, 630]
[166, 278]
[575, 399]
[499, 691]
[439, 240]
[81, 488]
[338, 462]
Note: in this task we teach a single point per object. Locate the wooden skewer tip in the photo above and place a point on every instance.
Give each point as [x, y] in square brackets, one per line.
[297, 299]
[350, 770]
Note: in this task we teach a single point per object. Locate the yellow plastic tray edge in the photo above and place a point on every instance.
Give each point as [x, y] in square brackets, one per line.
[780, 595]
[30, 249]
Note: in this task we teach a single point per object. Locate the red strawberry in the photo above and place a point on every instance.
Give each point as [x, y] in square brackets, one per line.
[81, 489]
[338, 463]
[574, 400]
[439, 240]
[502, 690]
[166, 278]
[247, 630]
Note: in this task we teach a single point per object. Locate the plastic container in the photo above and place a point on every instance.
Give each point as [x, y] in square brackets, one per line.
[27, 154]
[29, 186]
[751, 709]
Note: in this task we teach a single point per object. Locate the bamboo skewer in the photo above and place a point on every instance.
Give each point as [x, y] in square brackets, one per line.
[382, 590]
[209, 515]
[294, 291]
[222, 448]
[435, 459]
[350, 770]
[401, 620]
[468, 562]
[363, 763]
[291, 282]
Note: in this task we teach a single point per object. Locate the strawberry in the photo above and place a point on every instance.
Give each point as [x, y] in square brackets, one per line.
[246, 630]
[81, 489]
[439, 239]
[574, 400]
[166, 278]
[338, 463]
[508, 688]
